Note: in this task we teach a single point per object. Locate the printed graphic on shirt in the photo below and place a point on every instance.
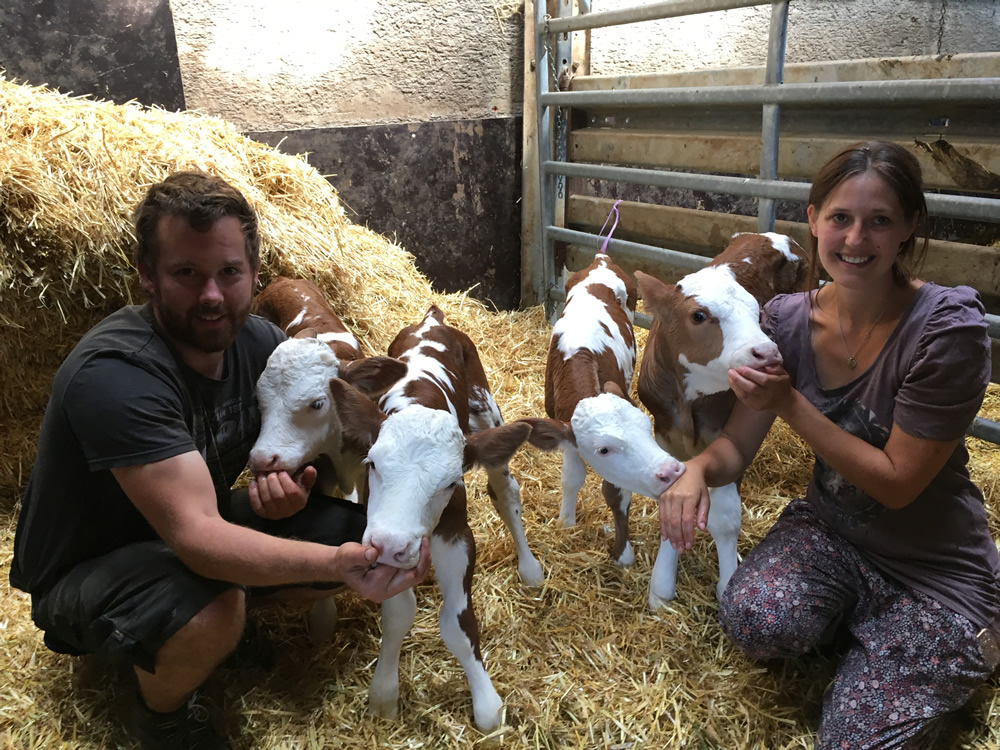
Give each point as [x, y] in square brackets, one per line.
[838, 497]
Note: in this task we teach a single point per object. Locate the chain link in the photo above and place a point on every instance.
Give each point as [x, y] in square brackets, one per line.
[560, 114]
[940, 30]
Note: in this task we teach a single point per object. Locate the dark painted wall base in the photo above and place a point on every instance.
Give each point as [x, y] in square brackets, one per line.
[448, 192]
[113, 51]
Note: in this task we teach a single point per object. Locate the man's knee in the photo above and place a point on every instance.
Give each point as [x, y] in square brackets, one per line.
[212, 632]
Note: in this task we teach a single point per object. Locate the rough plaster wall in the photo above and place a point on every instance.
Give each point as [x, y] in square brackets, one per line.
[277, 65]
[817, 30]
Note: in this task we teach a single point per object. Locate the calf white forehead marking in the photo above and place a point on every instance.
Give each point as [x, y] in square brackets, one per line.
[299, 362]
[343, 336]
[580, 326]
[298, 319]
[780, 242]
[738, 314]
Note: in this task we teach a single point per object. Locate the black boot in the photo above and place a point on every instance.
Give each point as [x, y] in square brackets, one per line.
[186, 728]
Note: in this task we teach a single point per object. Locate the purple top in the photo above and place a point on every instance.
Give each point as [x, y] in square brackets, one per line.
[929, 379]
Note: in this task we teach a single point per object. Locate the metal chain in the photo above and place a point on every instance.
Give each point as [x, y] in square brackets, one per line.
[940, 31]
[560, 115]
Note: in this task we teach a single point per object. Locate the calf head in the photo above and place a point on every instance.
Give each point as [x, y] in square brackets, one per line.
[703, 326]
[297, 421]
[417, 458]
[765, 264]
[616, 439]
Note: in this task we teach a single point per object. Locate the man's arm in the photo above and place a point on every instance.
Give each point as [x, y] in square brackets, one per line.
[177, 497]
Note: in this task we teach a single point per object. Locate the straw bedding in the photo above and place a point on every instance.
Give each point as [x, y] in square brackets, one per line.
[579, 661]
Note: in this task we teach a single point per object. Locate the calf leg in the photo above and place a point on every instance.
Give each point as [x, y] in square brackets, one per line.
[724, 526]
[505, 494]
[619, 501]
[454, 558]
[574, 472]
[663, 581]
[398, 614]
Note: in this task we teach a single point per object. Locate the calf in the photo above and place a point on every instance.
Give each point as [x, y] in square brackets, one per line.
[593, 344]
[435, 423]
[295, 305]
[703, 326]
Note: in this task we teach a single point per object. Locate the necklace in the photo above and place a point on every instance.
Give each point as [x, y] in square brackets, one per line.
[851, 361]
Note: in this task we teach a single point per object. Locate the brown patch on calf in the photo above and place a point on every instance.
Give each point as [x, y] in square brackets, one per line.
[284, 299]
[770, 273]
[686, 427]
[581, 375]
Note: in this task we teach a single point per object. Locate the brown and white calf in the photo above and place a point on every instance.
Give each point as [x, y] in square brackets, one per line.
[433, 425]
[296, 305]
[589, 370]
[703, 326]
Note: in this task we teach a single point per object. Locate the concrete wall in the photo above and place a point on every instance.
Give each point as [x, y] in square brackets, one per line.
[413, 107]
[817, 30]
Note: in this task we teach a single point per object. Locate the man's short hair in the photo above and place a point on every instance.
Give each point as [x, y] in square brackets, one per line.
[202, 199]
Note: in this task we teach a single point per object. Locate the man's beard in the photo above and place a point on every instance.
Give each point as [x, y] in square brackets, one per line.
[184, 328]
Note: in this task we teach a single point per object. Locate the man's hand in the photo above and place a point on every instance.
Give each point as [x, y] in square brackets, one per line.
[683, 506]
[279, 495]
[378, 581]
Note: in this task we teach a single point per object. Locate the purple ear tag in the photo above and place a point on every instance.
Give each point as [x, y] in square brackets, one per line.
[604, 245]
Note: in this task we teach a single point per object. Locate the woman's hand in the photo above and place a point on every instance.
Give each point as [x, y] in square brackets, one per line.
[278, 494]
[769, 389]
[684, 506]
[378, 581]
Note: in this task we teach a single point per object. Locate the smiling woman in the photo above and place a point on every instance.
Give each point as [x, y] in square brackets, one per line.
[890, 549]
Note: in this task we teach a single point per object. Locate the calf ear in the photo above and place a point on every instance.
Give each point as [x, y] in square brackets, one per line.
[372, 376]
[495, 446]
[360, 418]
[654, 292]
[548, 434]
[306, 333]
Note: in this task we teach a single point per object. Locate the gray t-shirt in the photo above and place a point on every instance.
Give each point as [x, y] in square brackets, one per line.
[125, 397]
[929, 379]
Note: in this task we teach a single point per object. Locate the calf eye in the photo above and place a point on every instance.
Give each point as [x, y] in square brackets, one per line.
[699, 316]
[603, 451]
[317, 404]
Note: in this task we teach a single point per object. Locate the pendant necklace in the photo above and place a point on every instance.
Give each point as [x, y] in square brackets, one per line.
[852, 362]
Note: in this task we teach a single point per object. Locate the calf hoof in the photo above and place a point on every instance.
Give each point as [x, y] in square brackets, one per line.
[626, 558]
[659, 600]
[486, 713]
[384, 704]
[531, 572]
[566, 522]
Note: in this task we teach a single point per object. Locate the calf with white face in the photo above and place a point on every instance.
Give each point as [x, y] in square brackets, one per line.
[435, 423]
[703, 326]
[298, 423]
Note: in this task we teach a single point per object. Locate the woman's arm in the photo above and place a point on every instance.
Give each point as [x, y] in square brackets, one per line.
[686, 504]
[893, 476]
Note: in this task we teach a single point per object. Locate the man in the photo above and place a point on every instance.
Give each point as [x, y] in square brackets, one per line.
[129, 539]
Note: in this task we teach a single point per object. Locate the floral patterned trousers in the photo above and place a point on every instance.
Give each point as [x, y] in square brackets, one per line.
[910, 662]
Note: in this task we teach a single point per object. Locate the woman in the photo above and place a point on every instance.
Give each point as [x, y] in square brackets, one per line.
[882, 375]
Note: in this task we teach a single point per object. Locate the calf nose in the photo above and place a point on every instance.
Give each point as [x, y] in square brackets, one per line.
[260, 461]
[670, 471]
[765, 354]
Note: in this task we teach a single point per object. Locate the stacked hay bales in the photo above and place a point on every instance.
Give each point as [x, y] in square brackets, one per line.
[580, 661]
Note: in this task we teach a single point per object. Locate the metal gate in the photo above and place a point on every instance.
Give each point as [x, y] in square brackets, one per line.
[966, 89]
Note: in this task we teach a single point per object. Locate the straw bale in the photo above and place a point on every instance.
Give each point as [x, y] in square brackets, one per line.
[580, 660]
